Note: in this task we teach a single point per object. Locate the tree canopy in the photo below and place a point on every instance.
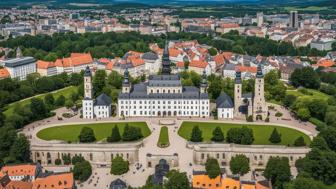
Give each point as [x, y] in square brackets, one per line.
[239, 164]
[212, 168]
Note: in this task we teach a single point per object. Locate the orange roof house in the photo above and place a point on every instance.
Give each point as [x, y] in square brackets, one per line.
[109, 65]
[230, 183]
[247, 69]
[4, 73]
[44, 64]
[324, 63]
[75, 59]
[19, 170]
[17, 185]
[219, 59]
[198, 64]
[203, 181]
[60, 181]
[227, 55]
[174, 52]
[180, 64]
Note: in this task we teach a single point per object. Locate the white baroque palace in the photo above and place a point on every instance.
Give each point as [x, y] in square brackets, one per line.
[163, 95]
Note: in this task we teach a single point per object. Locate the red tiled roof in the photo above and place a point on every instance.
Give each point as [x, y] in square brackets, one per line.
[227, 55]
[174, 52]
[4, 73]
[109, 66]
[229, 25]
[44, 64]
[104, 60]
[61, 181]
[19, 170]
[75, 59]
[247, 69]
[324, 63]
[180, 64]
[219, 59]
[198, 64]
[17, 185]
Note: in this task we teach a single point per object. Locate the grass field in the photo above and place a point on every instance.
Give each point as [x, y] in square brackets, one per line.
[164, 137]
[310, 8]
[70, 133]
[261, 132]
[66, 92]
[313, 94]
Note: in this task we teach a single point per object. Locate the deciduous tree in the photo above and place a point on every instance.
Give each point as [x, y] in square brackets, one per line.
[239, 164]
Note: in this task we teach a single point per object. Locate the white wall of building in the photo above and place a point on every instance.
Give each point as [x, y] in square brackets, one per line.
[225, 113]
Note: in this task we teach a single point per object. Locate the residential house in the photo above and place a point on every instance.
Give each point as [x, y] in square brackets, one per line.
[75, 63]
[202, 181]
[21, 172]
[199, 66]
[45, 68]
[229, 71]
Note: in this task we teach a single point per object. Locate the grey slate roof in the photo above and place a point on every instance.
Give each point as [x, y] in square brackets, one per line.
[19, 61]
[150, 56]
[139, 91]
[229, 67]
[224, 101]
[164, 81]
[103, 100]
[247, 95]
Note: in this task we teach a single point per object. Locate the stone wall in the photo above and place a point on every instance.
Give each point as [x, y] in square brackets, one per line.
[96, 154]
[153, 159]
[258, 154]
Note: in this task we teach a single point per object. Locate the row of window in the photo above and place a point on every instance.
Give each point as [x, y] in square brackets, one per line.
[164, 113]
[222, 155]
[163, 102]
[166, 107]
[168, 91]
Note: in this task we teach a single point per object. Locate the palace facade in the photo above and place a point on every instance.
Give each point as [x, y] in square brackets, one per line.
[163, 95]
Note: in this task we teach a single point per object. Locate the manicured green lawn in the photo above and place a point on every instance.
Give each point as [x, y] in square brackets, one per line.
[70, 133]
[66, 92]
[261, 132]
[164, 137]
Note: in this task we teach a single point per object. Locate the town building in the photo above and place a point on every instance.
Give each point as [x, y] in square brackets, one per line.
[322, 44]
[201, 180]
[294, 19]
[27, 172]
[94, 108]
[20, 67]
[244, 104]
[28, 176]
[74, 64]
[45, 68]
[163, 95]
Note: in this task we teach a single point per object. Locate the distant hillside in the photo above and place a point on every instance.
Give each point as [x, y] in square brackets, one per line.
[158, 2]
